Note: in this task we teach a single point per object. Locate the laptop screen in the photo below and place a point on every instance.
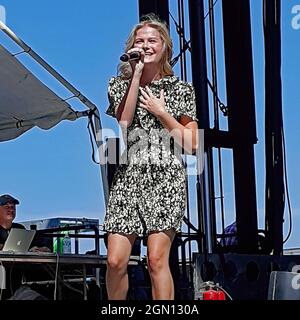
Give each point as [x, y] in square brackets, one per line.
[18, 240]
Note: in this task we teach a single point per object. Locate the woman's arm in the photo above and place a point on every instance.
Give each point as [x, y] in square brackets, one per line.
[183, 131]
[126, 109]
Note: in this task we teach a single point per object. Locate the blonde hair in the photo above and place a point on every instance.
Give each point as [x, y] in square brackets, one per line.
[154, 22]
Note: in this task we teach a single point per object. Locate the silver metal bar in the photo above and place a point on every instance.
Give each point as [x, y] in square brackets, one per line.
[46, 282]
[43, 63]
[51, 258]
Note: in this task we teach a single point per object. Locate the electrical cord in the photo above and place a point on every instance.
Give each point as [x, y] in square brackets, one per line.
[56, 277]
[286, 187]
[73, 288]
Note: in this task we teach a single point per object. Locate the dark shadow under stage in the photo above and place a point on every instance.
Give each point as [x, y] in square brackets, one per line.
[82, 277]
[56, 276]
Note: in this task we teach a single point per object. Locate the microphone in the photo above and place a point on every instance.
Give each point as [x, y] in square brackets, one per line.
[136, 55]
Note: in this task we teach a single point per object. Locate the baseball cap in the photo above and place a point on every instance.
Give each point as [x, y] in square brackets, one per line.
[6, 198]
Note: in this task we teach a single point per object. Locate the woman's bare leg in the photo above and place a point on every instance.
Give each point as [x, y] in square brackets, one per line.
[159, 245]
[119, 247]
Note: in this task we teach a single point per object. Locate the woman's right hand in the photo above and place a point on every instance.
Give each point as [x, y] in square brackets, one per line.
[137, 65]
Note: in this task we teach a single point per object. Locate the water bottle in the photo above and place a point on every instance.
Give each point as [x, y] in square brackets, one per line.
[66, 243]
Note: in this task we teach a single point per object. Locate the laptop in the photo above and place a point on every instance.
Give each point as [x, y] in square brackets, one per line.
[18, 240]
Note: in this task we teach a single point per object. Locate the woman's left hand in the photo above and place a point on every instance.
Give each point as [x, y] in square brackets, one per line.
[154, 105]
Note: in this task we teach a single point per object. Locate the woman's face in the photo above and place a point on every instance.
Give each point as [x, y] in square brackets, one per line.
[149, 39]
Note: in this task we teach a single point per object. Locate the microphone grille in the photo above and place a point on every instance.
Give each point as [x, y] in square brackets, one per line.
[124, 57]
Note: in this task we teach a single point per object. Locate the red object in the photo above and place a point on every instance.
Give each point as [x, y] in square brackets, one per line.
[212, 294]
[221, 295]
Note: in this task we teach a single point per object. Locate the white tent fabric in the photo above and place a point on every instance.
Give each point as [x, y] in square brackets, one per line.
[25, 101]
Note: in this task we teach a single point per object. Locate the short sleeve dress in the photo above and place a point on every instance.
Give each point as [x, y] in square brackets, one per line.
[148, 192]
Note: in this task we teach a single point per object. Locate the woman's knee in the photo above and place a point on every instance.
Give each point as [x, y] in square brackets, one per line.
[156, 263]
[116, 263]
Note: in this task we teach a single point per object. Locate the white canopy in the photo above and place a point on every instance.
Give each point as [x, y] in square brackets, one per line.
[25, 101]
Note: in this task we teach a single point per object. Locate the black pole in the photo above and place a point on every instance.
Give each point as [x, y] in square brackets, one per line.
[198, 57]
[273, 126]
[205, 182]
[241, 117]
[159, 7]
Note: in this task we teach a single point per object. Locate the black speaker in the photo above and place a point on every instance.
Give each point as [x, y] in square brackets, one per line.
[284, 285]
[249, 277]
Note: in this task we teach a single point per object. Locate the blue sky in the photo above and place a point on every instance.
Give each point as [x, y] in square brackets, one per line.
[51, 172]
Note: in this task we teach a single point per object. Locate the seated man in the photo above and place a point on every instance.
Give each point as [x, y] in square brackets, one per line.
[7, 216]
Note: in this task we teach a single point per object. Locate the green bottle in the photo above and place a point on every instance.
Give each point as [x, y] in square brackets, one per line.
[62, 244]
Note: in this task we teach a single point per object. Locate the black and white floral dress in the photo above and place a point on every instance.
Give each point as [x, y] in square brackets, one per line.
[148, 192]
